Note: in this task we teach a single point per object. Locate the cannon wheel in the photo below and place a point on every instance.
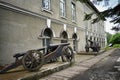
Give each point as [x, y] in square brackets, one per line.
[32, 60]
[67, 54]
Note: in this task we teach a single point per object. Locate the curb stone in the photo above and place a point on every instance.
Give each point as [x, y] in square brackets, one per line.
[91, 53]
[44, 73]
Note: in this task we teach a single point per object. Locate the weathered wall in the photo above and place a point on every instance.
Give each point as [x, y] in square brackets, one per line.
[18, 33]
[21, 26]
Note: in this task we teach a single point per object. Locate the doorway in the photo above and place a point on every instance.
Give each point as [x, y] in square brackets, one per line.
[75, 44]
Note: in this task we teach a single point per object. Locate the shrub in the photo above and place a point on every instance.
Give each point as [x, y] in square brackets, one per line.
[116, 46]
[115, 39]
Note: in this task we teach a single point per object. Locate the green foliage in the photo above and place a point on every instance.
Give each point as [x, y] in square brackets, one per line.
[88, 16]
[108, 48]
[116, 28]
[115, 39]
[116, 46]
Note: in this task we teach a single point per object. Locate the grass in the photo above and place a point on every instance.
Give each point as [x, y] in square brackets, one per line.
[114, 46]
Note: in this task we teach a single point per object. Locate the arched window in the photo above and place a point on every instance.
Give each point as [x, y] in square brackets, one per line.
[64, 37]
[47, 35]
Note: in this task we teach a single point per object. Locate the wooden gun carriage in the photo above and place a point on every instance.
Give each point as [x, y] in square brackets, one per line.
[93, 45]
[33, 60]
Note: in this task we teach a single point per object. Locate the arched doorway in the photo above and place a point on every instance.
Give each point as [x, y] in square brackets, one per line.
[64, 37]
[74, 42]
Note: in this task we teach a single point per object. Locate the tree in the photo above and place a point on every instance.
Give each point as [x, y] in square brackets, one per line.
[113, 13]
[116, 28]
[115, 39]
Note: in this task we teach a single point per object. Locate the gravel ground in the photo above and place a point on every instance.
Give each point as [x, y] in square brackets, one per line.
[103, 70]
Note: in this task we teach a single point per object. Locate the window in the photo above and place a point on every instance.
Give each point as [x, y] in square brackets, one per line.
[62, 8]
[46, 4]
[73, 12]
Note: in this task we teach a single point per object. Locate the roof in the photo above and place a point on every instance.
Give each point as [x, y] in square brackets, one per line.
[92, 6]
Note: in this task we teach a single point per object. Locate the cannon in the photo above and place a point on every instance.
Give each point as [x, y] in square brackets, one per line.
[33, 60]
[93, 45]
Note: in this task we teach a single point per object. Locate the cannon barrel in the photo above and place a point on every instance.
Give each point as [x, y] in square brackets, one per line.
[62, 44]
[50, 46]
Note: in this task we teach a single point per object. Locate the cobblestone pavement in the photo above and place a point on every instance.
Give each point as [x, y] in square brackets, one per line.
[74, 72]
[103, 70]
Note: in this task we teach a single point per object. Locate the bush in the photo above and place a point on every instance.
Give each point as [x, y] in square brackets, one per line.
[115, 39]
[108, 48]
[116, 46]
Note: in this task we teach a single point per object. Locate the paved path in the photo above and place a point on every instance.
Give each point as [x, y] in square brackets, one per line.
[78, 68]
[102, 70]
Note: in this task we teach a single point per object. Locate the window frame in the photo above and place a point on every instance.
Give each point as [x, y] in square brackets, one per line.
[73, 11]
[63, 8]
[48, 7]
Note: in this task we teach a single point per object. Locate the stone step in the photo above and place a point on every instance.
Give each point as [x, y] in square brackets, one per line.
[48, 71]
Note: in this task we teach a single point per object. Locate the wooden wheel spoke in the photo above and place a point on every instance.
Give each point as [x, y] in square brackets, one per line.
[28, 57]
[28, 64]
[33, 60]
[31, 66]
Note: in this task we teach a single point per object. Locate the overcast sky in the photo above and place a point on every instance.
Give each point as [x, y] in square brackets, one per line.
[101, 7]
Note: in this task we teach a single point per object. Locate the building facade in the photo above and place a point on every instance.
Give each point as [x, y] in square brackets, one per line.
[27, 25]
[96, 31]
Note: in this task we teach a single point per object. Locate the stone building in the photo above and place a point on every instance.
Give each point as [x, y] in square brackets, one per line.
[31, 24]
